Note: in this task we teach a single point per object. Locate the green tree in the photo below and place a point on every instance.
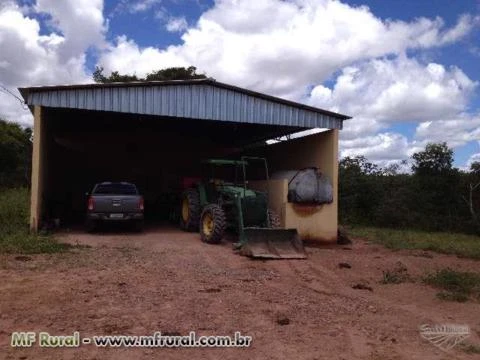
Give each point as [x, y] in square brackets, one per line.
[359, 165]
[435, 159]
[175, 73]
[437, 187]
[172, 73]
[475, 167]
[114, 76]
[471, 183]
[15, 154]
[358, 189]
[435, 196]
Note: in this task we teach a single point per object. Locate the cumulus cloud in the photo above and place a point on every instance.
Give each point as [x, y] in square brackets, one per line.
[13, 110]
[33, 56]
[27, 56]
[456, 131]
[80, 22]
[384, 148]
[383, 91]
[287, 46]
[401, 89]
[127, 57]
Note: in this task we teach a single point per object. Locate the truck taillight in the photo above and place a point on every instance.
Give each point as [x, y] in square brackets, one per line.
[91, 203]
[141, 204]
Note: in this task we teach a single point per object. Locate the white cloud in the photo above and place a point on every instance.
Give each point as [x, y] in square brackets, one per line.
[382, 92]
[463, 27]
[360, 126]
[11, 109]
[170, 22]
[128, 58]
[80, 22]
[29, 56]
[383, 147]
[135, 6]
[400, 89]
[287, 46]
[456, 131]
[176, 24]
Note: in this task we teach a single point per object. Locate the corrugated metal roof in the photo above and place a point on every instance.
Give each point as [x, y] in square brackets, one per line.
[199, 99]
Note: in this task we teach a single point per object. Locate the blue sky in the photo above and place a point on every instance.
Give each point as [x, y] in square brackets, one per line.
[407, 71]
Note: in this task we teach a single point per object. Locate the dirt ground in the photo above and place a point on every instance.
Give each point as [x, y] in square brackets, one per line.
[169, 281]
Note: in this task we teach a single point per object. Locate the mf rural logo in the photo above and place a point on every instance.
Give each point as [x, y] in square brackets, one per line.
[445, 336]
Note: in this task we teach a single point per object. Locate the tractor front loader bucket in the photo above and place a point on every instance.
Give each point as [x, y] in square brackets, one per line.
[272, 244]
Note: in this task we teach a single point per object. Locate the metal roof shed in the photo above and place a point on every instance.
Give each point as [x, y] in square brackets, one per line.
[196, 99]
[92, 118]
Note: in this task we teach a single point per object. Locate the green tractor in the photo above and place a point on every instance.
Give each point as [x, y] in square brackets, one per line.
[221, 203]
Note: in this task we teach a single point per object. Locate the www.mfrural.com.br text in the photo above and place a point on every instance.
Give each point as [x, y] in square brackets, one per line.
[47, 340]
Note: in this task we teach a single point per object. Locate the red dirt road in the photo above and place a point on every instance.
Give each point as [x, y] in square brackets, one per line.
[169, 281]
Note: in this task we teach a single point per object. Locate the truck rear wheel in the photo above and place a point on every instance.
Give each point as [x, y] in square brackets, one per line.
[190, 210]
[212, 224]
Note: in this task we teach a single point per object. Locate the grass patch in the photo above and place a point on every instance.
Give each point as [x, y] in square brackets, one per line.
[15, 237]
[456, 285]
[22, 242]
[447, 243]
[452, 296]
[397, 275]
[391, 277]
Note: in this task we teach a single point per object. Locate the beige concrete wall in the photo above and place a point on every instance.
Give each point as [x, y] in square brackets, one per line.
[38, 163]
[318, 223]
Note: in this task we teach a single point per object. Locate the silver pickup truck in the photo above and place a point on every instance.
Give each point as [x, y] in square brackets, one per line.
[114, 202]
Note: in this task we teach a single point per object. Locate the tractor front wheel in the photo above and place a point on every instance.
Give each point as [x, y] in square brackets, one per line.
[190, 210]
[212, 224]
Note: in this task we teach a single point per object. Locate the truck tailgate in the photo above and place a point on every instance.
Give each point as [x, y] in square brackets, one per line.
[117, 203]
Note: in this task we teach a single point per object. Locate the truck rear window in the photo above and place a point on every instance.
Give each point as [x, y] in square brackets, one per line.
[115, 189]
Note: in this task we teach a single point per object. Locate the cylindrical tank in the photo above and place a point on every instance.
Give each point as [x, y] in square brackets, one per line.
[307, 186]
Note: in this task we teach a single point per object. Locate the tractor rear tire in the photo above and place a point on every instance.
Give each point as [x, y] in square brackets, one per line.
[212, 224]
[273, 219]
[190, 210]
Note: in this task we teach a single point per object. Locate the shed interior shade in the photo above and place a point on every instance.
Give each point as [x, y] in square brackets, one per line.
[190, 99]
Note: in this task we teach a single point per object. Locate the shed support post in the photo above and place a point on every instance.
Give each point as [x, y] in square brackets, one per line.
[38, 159]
